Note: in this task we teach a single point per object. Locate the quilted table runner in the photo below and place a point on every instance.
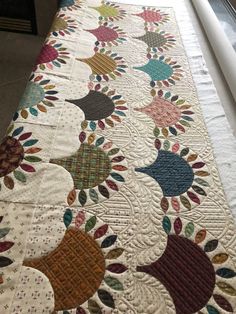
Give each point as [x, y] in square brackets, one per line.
[110, 197]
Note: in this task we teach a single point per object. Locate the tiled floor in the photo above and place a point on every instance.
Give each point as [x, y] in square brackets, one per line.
[17, 55]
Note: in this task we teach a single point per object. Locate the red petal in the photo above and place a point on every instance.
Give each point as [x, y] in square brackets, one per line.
[82, 137]
[179, 127]
[118, 159]
[97, 87]
[101, 125]
[157, 144]
[112, 185]
[71, 197]
[80, 310]
[175, 204]
[164, 204]
[119, 168]
[25, 136]
[38, 78]
[187, 112]
[178, 225]
[27, 168]
[198, 165]
[121, 108]
[193, 197]
[175, 147]
[160, 93]
[33, 150]
[117, 268]
[223, 303]
[107, 145]
[100, 231]
[4, 246]
[51, 97]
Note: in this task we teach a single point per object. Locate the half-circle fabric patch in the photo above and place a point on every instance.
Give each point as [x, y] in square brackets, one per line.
[171, 114]
[97, 168]
[162, 71]
[63, 25]
[76, 278]
[102, 107]
[52, 54]
[153, 16]
[108, 35]
[193, 286]
[105, 65]
[182, 175]
[110, 12]
[157, 41]
[39, 95]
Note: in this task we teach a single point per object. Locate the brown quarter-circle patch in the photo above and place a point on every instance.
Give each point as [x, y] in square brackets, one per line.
[75, 269]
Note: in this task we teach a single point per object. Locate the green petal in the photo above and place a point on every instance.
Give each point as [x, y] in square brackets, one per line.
[19, 176]
[4, 232]
[184, 152]
[113, 151]
[189, 229]
[32, 159]
[180, 102]
[201, 182]
[113, 283]
[93, 195]
[90, 223]
[156, 132]
[166, 145]
[11, 127]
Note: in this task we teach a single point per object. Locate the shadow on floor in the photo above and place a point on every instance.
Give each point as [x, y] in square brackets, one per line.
[17, 56]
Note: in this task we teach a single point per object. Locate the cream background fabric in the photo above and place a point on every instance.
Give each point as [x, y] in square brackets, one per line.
[219, 120]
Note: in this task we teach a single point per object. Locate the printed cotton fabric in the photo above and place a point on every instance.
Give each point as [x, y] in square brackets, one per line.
[111, 201]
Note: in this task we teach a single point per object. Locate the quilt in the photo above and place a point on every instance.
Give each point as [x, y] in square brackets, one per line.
[110, 198]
